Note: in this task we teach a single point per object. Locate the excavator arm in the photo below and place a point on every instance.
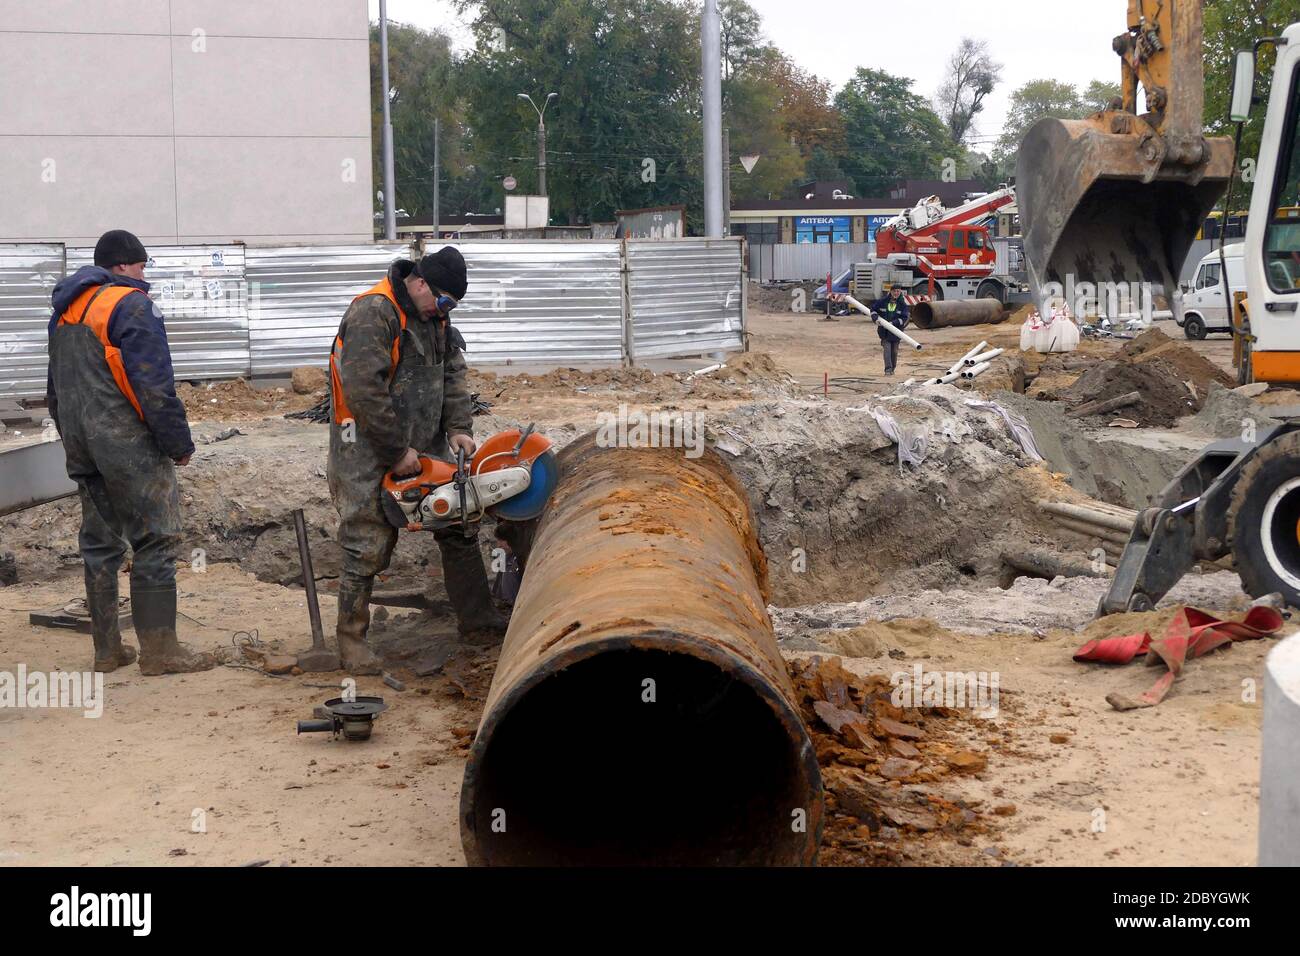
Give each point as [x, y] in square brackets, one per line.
[1119, 197]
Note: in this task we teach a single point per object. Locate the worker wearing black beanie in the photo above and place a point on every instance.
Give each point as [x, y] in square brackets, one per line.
[398, 394]
[117, 247]
[444, 271]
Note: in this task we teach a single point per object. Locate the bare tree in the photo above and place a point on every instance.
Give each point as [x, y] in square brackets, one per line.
[972, 75]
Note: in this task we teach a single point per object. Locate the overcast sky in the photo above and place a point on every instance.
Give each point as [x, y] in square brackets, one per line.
[1033, 39]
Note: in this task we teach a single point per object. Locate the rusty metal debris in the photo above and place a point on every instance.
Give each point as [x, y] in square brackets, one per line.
[641, 711]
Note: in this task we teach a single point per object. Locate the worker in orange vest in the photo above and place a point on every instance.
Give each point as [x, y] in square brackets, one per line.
[113, 399]
[398, 391]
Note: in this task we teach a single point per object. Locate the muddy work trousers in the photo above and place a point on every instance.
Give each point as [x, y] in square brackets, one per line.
[890, 346]
[144, 513]
[368, 540]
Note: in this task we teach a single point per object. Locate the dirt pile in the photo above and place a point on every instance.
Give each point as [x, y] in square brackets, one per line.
[744, 377]
[238, 401]
[886, 767]
[1190, 365]
[1228, 414]
[780, 296]
[1164, 396]
[839, 515]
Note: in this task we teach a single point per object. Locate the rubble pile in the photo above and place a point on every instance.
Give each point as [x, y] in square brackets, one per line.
[884, 769]
[1190, 365]
[1163, 396]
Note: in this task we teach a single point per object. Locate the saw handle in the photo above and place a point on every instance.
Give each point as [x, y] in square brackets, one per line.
[462, 480]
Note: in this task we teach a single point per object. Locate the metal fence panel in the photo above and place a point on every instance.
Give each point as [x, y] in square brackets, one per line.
[542, 301]
[203, 297]
[297, 295]
[804, 261]
[28, 272]
[685, 296]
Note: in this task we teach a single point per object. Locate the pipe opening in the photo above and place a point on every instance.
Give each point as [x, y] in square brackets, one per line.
[589, 772]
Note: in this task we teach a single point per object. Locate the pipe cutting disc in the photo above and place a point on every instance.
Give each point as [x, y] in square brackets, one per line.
[530, 503]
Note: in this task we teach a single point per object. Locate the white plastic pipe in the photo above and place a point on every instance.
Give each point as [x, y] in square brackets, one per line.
[984, 357]
[945, 379]
[962, 361]
[977, 370]
[896, 333]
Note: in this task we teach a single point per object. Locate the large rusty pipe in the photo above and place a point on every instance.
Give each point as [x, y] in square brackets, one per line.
[641, 712]
[940, 315]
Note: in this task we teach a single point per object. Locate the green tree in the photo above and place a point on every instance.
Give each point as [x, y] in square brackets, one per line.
[628, 93]
[1099, 95]
[1232, 25]
[741, 30]
[1030, 103]
[890, 132]
[423, 78]
[753, 115]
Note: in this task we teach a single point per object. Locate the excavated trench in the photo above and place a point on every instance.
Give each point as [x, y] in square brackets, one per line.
[839, 518]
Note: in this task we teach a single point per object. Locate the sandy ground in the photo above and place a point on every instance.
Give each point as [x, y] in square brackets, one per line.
[207, 769]
[171, 756]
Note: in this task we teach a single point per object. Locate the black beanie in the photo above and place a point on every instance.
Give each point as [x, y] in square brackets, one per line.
[445, 270]
[117, 247]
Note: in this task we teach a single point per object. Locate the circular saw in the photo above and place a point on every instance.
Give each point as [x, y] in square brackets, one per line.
[511, 476]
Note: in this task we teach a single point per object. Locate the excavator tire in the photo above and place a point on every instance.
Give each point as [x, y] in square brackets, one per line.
[1264, 521]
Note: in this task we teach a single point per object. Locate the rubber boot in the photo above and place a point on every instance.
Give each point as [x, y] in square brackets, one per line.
[355, 654]
[110, 652]
[154, 613]
[477, 619]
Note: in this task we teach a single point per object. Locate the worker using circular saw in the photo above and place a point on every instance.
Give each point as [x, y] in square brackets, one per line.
[112, 396]
[398, 391]
[891, 308]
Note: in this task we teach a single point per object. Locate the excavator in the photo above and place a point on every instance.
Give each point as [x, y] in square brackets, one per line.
[1119, 197]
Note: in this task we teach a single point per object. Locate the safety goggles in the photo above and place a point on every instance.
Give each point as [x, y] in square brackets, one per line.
[445, 303]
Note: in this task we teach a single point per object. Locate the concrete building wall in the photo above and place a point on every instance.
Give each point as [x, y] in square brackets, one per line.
[185, 120]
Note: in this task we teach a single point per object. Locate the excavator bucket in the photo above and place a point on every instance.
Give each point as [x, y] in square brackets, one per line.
[1120, 196]
[1098, 206]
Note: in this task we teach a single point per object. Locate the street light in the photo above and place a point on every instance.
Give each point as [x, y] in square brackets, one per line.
[541, 138]
[390, 188]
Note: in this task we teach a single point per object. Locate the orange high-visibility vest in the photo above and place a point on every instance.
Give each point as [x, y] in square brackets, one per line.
[341, 411]
[93, 308]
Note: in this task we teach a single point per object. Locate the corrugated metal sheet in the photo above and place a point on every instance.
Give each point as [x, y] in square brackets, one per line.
[542, 301]
[1011, 256]
[685, 295]
[28, 272]
[201, 292]
[297, 295]
[804, 261]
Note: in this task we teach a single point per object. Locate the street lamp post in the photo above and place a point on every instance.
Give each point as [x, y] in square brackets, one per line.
[390, 189]
[541, 138]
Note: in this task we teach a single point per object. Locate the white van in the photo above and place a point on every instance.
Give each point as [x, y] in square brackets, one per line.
[1205, 309]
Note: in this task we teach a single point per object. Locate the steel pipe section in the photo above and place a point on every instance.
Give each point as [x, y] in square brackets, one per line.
[943, 314]
[641, 712]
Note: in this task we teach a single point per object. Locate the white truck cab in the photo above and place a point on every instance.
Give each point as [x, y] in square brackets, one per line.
[1205, 306]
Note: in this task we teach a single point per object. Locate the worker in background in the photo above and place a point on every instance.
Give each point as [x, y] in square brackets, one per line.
[113, 399]
[398, 391]
[891, 308]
